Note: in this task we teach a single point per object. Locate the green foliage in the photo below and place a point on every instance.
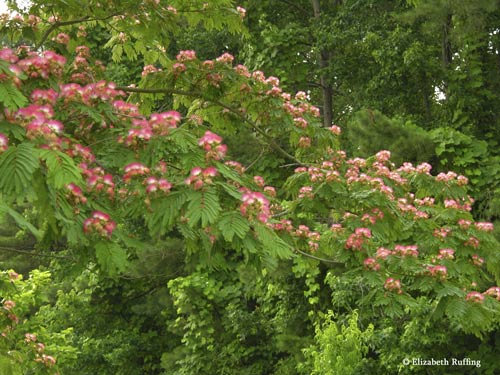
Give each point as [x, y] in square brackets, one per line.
[337, 351]
[17, 166]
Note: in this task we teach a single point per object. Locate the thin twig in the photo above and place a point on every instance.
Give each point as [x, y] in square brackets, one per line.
[31, 253]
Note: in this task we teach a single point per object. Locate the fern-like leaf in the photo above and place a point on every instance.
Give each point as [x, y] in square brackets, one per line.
[17, 166]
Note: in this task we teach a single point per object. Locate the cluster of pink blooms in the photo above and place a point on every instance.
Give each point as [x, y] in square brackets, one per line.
[76, 194]
[484, 226]
[475, 297]
[376, 214]
[159, 124]
[439, 272]
[83, 152]
[357, 239]
[200, 177]
[4, 143]
[393, 285]
[335, 129]
[441, 233]
[47, 360]
[306, 192]
[97, 180]
[452, 176]
[473, 242]
[99, 223]
[448, 254]
[465, 206]
[312, 237]
[212, 144]
[154, 184]
[494, 292]
[133, 170]
[39, 122]
[149, 69]
[61, 38]
[371, 264]
[225, 58]
[236, 166]
[406, 251]
[255, 205]
[283, 225]
[477, 260]
[186, 56]
[42, 65]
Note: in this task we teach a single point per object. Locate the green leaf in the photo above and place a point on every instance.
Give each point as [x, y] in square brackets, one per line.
[11, 97]
[111, 257]
[17, 166]
[204, 206]
[273, 245]
[61, 168]
[232, 223]
[165, 212]
[20, 220]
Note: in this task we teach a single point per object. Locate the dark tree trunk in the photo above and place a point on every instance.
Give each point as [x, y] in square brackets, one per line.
[324, 60]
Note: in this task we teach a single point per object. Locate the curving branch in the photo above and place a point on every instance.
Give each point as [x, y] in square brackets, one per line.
[58, 24]
[244, 118]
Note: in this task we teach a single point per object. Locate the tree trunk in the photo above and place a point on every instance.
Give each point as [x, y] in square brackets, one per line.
[324, 60]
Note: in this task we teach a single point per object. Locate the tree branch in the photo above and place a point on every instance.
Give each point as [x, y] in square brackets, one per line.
[58, 24]
[245, 119]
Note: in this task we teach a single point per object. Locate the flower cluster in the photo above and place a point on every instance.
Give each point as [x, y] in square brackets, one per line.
[200, 177]
[255, 205]
[371, 264]
[393, 285]
[4, 143]
[312, 237]
[133, 170]
[356, 240]
[211, 143]
[97, 180]
[439, 272]
[475, 297]
[154, 184]
[99, 223]
[76, 194]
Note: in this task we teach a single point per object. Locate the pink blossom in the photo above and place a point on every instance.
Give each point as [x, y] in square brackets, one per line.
[493, 292]
[404, 251]
[335, 129]
[306, 192]
[383, 253]
[446, 254]
[255, 205]
[477, 260]
[438, 271]
[475, 297]
[8, 304]
[484, 226]
[371, 264]
[100, 223]
[4, 142]
[300, 122]
[186, 56]
[383, 156]
[424, 168]
[242, 11]
[393, 285]
[301, 95]
[225, 58]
